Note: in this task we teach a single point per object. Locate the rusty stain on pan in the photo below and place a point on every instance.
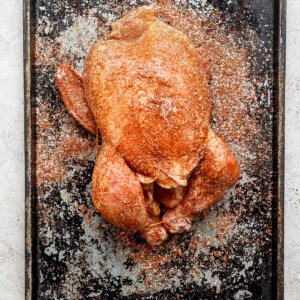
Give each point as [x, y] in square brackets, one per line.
[70, 250]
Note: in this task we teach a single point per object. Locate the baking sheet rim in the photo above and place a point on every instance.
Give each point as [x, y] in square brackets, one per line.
[30, 188]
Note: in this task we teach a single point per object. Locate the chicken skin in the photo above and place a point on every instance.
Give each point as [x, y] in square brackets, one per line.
[145, 89]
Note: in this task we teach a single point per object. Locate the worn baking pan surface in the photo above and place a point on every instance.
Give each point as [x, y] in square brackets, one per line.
[234, 251]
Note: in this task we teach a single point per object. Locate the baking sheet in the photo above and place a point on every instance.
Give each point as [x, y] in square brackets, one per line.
[235, 252]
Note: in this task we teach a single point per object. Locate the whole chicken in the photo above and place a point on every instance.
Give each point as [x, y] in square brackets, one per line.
[145, 89]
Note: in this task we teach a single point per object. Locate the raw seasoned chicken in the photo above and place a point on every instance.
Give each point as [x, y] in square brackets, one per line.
[145, 89]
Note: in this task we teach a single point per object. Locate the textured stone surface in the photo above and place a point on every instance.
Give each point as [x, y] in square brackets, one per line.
[292, 155]
[12, 156]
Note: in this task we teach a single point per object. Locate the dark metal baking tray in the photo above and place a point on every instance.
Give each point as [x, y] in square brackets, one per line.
[236, 251]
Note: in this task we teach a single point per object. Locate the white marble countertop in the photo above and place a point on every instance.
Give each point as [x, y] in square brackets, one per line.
[12, 241]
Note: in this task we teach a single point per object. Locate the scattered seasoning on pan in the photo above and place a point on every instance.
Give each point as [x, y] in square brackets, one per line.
[226, 254]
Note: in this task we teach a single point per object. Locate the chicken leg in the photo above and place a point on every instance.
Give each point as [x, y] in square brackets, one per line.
[218, 171]
[118, 197]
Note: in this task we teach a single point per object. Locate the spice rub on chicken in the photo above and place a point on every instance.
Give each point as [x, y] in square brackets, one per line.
[145, 89]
